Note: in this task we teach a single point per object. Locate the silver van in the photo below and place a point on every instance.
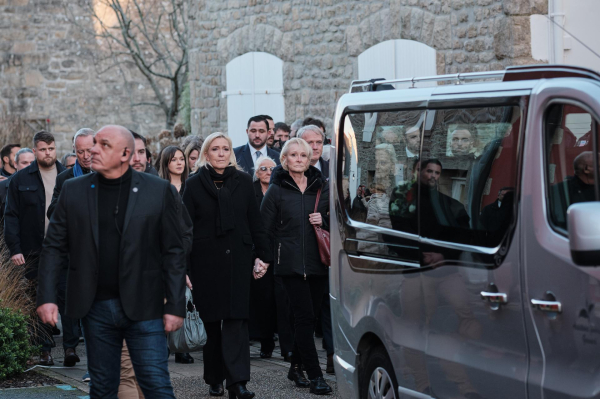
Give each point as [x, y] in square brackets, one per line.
[465, 235]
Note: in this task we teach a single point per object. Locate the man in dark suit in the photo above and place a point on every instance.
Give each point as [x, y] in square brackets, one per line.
[258, 133]
[23, 159]
[122, 233]
[315, 137]
[25, 221]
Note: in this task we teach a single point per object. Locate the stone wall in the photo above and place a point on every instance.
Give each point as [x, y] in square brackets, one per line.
[47, 73]
[320, 40]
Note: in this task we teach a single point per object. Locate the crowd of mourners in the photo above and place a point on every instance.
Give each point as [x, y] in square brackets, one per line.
[110, 240]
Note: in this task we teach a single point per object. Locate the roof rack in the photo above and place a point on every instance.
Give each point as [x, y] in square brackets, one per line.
[459, 78]
[510, 74]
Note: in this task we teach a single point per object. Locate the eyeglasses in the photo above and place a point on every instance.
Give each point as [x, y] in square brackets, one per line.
[264, 168]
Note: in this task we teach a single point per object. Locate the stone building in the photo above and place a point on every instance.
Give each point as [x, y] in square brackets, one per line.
[314, 49]
[48, 77]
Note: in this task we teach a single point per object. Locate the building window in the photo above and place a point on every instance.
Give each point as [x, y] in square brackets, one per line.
[254, 87]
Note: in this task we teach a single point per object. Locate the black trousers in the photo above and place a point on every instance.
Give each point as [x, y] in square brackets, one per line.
[306, 298]
[285, 324]
[326, 324]
[227, 352]
[71, 330]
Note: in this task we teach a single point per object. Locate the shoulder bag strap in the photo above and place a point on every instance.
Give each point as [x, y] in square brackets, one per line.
[317, 201]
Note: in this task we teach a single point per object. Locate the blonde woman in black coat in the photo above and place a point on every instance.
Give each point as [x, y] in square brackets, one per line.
[227, 223]
[288, 213]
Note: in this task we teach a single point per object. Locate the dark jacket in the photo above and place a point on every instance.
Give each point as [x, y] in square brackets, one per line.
[221, 266]
[243, 157]
[25, 212]
[285, 213]
[60, 180]
[4, 173]
[3, 192]
[152, 253]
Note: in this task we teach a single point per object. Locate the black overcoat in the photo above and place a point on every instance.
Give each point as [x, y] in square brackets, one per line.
[221, 266]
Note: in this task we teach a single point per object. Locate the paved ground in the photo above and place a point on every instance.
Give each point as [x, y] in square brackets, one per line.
[268, 377]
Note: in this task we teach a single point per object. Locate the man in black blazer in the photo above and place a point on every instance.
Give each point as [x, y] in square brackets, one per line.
[122, 233]
[258, 133]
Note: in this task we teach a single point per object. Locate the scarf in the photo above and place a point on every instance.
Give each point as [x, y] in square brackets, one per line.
[225, 216]
[77, 170]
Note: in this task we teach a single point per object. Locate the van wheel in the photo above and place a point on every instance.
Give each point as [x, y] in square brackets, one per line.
[378, 378]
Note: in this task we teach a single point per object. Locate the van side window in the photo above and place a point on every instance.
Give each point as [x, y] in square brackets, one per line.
[569, 159]
[468, 174]
[381, 149]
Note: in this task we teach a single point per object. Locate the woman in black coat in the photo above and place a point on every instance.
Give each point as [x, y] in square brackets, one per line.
[288, 213]
[263, 313]
[227, 223]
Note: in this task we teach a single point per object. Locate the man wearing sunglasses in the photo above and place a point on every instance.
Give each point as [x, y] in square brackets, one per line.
[258, 133]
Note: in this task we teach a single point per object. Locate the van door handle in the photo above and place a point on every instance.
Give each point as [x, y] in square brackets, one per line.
[494, 297]
[547, 306]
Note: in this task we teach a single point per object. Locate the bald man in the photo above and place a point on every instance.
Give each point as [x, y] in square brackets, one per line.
[122, 233]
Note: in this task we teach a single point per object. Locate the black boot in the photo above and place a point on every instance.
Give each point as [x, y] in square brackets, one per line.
[183, 358]
[318, 386]
[239, 391]
[216, 390]
[297, 375]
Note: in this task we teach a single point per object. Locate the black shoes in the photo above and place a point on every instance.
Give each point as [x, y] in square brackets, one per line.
[297, 375]
[330, 369]
[318, 386]
[239, 391]
[46, 359]
[266, 355]
[183, 358]
[287, 357]
[70, 357]
[216, 390]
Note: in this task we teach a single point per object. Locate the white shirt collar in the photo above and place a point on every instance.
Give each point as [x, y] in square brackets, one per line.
[318, 164]
[410, 154]
[253, 151]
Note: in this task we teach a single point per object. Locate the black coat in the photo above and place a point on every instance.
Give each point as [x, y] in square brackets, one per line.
[25, 212]
[152, 249]
[285, 213]
[263, 313]
[60, 180]
[3, 192]
[221, 266]
[245, 161]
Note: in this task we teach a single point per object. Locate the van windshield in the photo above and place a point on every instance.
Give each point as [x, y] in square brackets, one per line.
[443, 174]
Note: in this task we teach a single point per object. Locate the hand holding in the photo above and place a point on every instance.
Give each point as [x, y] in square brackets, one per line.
[172, 323]
[188, 282]
[18, 259]
[48, 312]
[315, 219]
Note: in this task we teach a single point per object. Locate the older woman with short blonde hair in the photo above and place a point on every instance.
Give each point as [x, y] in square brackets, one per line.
[288, 212]
[227, 224]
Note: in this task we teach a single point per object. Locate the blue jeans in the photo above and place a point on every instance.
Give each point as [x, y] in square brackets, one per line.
[104, 327]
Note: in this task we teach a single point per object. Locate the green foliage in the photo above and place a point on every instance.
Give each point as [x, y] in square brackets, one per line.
[15, 349]
[185, 108]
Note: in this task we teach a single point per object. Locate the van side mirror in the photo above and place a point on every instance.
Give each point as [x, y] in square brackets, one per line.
[583, 220]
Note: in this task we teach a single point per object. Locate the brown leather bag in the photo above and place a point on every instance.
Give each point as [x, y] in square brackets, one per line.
[322, 238]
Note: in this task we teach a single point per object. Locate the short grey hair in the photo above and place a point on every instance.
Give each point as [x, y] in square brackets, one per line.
[286, 148]
[261, 160]
[22, 151]
[311, 128]
[67, 156]
[82, 133]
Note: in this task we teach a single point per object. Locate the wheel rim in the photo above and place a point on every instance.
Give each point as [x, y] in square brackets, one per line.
[380, 385]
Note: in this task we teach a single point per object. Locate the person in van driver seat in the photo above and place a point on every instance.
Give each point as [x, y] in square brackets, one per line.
[574, 189]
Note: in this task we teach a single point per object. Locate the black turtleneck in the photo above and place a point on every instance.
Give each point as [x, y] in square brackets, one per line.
[111, 193]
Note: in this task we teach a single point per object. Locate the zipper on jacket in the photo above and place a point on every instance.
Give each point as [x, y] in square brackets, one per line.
[303, 230]
[279, 254]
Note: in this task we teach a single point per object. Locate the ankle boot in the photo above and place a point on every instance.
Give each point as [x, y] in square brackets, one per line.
[239, 391]
[297, 375]
[318, 386]
[216, 390]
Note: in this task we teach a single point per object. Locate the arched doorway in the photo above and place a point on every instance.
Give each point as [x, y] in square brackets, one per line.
[254, 87]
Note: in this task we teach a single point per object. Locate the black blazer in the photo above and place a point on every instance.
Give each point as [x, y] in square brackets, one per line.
[25, 212]
[60, 180]
[152, 249]
[243, 157]
[221, 266]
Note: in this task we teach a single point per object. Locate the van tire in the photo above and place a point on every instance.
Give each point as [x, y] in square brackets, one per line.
[378, 377]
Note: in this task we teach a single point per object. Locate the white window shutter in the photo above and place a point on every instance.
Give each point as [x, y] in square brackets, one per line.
[254, 87]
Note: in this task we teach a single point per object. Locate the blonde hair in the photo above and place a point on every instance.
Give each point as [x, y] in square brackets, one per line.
[286, 148]
[203, 161]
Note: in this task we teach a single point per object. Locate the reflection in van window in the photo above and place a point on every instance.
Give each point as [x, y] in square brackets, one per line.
[569, 159]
